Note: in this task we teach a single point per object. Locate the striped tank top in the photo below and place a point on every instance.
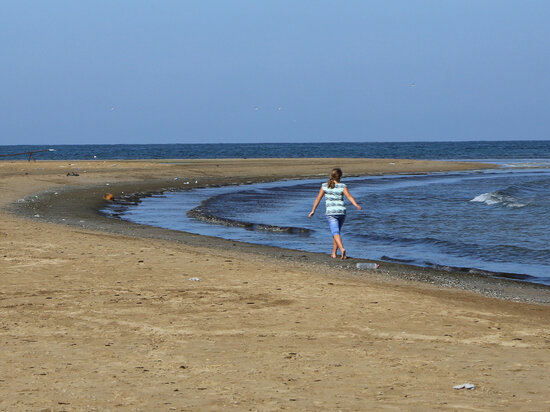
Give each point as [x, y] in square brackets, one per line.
[334, 199]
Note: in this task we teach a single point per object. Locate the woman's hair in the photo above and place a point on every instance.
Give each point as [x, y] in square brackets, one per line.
[335, 176]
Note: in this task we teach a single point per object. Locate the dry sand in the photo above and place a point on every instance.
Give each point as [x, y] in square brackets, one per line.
[93, 320]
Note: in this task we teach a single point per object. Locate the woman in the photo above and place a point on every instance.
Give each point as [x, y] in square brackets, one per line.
[335, 208]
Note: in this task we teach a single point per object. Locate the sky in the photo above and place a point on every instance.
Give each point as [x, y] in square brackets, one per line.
[134, 71]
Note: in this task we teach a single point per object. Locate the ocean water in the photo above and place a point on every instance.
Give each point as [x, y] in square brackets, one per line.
[404, 150]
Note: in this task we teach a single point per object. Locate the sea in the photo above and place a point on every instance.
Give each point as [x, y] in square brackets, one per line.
[492, 221]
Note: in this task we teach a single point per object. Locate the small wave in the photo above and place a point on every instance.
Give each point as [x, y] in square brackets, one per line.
[209, 211]
[533, 192]
[202, 214]
[397, 260]
[495, 198]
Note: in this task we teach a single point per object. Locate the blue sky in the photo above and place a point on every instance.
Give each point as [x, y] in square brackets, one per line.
[273, 71]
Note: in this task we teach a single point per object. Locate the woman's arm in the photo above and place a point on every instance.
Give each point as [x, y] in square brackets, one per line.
[317, 200]
[351, 198]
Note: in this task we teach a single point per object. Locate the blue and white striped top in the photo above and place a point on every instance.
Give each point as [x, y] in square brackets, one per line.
[335, 199]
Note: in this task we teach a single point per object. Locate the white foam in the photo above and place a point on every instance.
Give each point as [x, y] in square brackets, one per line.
[528, 165]
[494, 198]
[487, 198]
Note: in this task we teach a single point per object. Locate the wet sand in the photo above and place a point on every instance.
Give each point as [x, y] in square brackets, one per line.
[99, 314]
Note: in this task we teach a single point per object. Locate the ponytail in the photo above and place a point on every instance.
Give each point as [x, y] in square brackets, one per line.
[335, 176]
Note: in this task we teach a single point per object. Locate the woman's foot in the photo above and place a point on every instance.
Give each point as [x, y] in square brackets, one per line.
[334, 256]
[344, 254]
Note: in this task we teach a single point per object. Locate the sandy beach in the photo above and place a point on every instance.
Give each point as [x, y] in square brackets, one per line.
[99, 314]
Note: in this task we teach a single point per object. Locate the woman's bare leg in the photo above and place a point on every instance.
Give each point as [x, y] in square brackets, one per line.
[334, 249]
[338, 241]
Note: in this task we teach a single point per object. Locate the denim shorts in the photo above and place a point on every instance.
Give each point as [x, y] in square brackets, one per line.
[336, 222]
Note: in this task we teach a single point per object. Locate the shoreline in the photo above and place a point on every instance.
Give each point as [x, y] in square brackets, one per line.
[98, 315]
[80, 207]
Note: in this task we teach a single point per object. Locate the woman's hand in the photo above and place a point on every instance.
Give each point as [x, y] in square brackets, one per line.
[359, 207]
[311, 213]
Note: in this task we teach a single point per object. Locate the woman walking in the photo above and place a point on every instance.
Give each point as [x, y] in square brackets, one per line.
[335, 208]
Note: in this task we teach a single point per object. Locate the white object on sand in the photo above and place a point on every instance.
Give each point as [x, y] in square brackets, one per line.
[194, 279]
[367, 265]
[465, 386]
